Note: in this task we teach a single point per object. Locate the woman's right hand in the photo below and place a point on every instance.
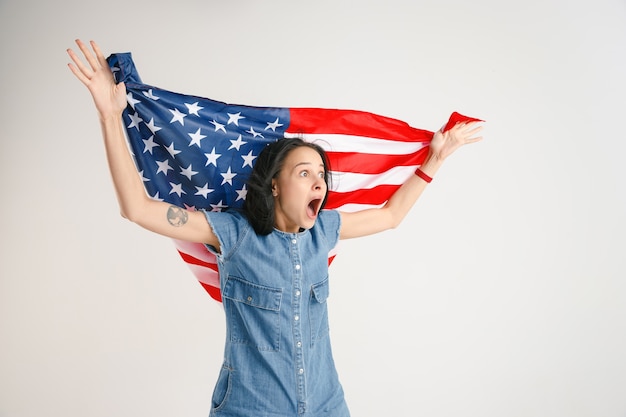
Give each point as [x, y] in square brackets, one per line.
[109, 97]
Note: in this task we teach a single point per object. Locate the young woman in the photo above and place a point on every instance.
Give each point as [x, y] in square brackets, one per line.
[272, 256]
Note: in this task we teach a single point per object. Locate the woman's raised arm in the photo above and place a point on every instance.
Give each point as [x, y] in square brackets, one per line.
[135, 205]
[370, 221]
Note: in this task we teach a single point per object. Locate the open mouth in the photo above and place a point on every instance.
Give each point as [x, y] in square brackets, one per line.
[313, 207]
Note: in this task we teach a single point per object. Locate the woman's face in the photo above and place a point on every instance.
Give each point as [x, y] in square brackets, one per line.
[299, 190]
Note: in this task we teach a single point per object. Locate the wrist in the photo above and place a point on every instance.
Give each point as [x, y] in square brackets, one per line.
[431, 165]
[110, 118]
[421, 174]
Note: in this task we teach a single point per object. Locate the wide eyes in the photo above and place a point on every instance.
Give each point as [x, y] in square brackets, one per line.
[307, 173]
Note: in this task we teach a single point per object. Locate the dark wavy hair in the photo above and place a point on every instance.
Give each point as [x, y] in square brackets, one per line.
[259, 204]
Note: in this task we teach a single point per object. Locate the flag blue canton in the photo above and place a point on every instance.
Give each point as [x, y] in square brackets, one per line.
[205, 149]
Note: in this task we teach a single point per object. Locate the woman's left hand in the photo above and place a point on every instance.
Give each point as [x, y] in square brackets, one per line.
[444, 144]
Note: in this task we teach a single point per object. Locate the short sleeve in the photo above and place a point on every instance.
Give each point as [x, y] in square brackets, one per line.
[329, 224]
[229, 228]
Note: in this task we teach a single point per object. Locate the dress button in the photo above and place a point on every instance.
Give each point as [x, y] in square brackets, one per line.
[296, 317]
[300, 371]
[249, 298]
[294, 241]
[299, 344]
[298, 267]
[298, 293]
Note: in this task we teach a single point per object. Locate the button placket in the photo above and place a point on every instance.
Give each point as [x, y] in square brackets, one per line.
[299, 367]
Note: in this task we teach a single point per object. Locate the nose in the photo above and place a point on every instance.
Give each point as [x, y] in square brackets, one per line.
[319, 183]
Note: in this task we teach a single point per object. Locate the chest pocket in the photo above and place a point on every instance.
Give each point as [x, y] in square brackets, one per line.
[318, 310]
[253, 313]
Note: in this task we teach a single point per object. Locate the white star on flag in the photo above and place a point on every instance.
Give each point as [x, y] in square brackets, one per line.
[273, 125]
[171, 150]
[150, 95]
[152, 127]
[236, 144]
[134, 121]
[234, 118]
[218, 126]
[211, 158]
[164, 166]
[178, 116]
[177, 189]
[219, 206]
[193, 108]
[196, 138]
[149, 144]
[247, 159]
[188, 172]
[253, 133]
[204, 191]
[132, 101]
[228, 177]
[241, 194]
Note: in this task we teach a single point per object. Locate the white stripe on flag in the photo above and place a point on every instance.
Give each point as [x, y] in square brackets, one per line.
[354, 207]
[349, 181]
[359, 144]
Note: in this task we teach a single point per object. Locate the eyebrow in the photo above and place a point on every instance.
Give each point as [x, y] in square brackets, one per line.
[307, 163]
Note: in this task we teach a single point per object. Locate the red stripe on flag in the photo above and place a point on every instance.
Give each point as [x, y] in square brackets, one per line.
[353, 123]
[364, 163]
[214, 292]
[206, 276]
[372, 196]
[197, 250]
[195, 261]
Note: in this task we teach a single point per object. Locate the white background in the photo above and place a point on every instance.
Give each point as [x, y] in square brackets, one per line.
[502, 294]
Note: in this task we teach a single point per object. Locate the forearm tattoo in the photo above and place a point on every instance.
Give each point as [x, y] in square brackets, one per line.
[177, 216]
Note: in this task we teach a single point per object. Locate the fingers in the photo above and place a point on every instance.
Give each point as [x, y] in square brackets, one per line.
[474, 129]
[464, 126]
[77, 68]
[88, 55]
[82, 71]
[467, 130]
[473, 140]
[464, 133]
[99, 55]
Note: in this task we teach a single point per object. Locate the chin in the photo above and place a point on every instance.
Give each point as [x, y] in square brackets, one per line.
[308, 224]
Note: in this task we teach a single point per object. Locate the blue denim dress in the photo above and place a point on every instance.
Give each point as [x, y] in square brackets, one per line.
[278, 360]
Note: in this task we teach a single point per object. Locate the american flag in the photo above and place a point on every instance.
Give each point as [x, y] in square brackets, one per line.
[195, 152]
